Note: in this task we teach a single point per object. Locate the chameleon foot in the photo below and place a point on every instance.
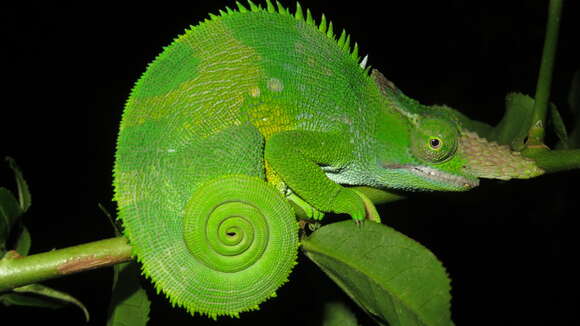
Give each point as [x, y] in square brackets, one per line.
[309, 211]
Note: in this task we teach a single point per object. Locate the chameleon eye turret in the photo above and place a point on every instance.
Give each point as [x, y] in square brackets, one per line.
[434, 140]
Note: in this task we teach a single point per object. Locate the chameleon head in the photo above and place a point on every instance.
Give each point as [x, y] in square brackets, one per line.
[421, 147]
[432, 159]
[443, 156]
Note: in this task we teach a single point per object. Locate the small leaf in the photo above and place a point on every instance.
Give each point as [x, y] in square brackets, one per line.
[370, 209]
[574, 95]
[129, 303]
[17, 299]
[116, 228]
[514, 126]
[9, 213]
[559, 127]
[338, 314]
[23, 191]
[574, 103]
[45, 291]
[23, 242]
[390, 276]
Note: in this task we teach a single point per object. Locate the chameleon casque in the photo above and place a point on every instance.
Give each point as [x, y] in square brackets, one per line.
[251, 109]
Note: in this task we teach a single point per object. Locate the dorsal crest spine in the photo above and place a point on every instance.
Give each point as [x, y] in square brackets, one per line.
[325, 26]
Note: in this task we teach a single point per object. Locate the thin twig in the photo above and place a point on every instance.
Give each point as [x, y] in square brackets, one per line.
[536, 132]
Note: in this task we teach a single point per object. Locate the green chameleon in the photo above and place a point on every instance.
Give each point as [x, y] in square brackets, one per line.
[255, 108]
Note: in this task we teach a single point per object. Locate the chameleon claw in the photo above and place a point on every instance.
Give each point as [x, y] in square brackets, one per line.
[313, 226]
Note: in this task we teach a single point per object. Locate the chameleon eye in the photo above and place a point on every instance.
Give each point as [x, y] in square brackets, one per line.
[434, 140]
[435, 143]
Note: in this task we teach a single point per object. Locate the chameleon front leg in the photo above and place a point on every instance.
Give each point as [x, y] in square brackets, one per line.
[297, 156]
[304, 209]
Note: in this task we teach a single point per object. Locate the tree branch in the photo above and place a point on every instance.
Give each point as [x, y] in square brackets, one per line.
[16, 270]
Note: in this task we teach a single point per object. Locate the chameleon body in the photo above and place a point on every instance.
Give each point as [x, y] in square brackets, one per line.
[251, 108]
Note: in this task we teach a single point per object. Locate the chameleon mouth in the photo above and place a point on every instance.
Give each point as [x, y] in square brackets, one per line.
[437, 176]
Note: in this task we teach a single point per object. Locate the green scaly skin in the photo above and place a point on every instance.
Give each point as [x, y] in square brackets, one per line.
[254, 106]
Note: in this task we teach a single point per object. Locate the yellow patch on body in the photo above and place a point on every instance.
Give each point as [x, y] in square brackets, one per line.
[269, 119]
[275, 85]
[211, 100]
[255, 91]
[274, 178]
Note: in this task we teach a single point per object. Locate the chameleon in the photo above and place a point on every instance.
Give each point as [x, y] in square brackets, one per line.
[256, 108]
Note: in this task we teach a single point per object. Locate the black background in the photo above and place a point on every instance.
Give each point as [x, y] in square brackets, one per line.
[509, 247]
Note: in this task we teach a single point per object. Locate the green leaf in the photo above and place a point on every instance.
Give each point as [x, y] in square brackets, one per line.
[574, 95]
[129, 303]
[116, 228]
[23, 191]
[23, 242]
[48, 293]
[514, 126]
[559, 127]
[574, 103]
[370, 209]
[390, 276]
[338, 314]
[17, 299]
[9, 213]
